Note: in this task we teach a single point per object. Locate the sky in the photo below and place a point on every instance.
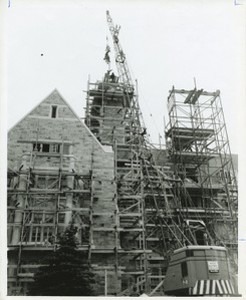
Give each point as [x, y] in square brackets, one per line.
[166, 43]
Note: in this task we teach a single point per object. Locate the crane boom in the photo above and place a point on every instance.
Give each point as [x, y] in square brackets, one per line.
[120, 58]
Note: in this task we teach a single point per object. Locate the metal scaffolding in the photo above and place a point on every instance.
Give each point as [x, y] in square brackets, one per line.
[199, 149]
[193, 200]
[148, 227]
[44, 195]
[189, 197]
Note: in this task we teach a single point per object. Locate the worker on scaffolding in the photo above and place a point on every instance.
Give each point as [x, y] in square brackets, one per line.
[107, 57]
[169, 146]
[144, 132]
[112, 77]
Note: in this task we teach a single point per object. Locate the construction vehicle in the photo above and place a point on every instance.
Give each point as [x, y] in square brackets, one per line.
[199, 271]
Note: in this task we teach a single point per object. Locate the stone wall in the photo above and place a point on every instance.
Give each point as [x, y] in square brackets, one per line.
[85, 156]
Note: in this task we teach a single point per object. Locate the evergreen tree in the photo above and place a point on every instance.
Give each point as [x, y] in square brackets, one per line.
[66, 273]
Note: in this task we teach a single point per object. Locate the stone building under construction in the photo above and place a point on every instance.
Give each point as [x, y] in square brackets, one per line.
[132, 203]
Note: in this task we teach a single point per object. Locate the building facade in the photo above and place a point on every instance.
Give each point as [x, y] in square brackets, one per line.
[132, 204]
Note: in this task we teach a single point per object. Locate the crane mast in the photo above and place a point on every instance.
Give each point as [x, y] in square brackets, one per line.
[120, 58]
[125, 76]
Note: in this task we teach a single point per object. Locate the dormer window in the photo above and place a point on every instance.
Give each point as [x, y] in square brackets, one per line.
[54, 111]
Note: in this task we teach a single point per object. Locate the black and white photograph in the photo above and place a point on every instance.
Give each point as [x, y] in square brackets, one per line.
[122, 135]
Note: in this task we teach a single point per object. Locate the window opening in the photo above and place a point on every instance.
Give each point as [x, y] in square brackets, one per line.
[184, 269]
[36, 147]
[53, 111]
[46, 148]
[37, 218]
[66, 148]
[55, 148]
[61, 218]
[189, 253]
[36, 234]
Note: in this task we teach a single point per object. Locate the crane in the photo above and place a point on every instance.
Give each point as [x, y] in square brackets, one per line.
[120, 57]
[124, 74]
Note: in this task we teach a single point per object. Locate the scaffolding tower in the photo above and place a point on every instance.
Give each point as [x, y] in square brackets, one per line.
[198, 146]
[150, 226]
[109, 116]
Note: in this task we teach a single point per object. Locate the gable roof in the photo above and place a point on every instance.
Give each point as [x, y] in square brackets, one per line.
[61, 101]
[60, 98]
[54, 92]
